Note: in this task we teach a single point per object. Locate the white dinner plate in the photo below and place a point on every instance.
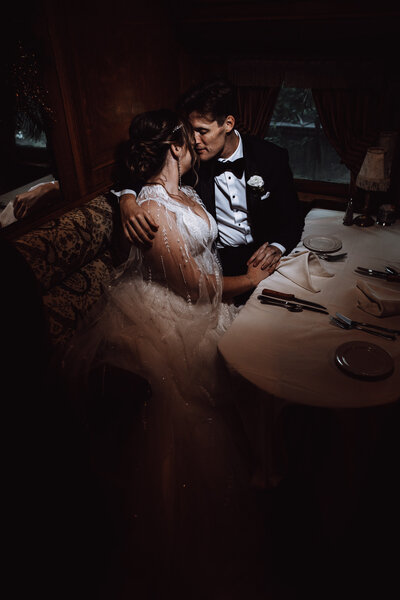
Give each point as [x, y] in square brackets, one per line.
[322, 243]
[364, 360]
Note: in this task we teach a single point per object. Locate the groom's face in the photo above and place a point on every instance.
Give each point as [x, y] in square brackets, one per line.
[209, 136]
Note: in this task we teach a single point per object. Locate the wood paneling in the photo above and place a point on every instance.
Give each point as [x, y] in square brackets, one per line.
[112, 64]
[107, 62]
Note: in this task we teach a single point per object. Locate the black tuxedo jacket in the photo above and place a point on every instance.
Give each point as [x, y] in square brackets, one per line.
[278, 218]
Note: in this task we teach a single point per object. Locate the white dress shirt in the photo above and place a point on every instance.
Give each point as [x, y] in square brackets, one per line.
[230, 206]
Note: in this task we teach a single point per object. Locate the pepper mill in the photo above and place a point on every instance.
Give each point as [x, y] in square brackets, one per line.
[348, 215]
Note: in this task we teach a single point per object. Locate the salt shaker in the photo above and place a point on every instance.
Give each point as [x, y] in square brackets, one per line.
[348, 215]
[386, 215]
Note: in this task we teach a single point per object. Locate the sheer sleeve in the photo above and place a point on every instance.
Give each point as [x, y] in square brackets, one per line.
[180, 258]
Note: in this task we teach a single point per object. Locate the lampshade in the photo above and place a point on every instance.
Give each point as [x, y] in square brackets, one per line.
[388, 140]
[373, 175]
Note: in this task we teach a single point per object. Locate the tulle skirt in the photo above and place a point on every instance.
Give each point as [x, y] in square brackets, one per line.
[193, 506]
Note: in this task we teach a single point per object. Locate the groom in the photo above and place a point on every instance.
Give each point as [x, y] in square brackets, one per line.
[245, 183]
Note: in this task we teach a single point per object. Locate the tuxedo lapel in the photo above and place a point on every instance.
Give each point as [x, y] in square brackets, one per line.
[250, 169]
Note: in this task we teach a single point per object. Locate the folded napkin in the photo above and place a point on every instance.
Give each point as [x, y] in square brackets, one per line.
[302, 268]
[378, 301]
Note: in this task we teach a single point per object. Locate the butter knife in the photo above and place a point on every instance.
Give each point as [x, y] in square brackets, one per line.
[292, 297]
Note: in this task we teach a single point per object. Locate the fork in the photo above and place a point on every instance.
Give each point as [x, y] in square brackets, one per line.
[347, 326]
[364, 324]
[331, 257]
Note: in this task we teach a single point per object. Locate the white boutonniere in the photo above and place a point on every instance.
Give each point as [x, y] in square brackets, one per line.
[256, 183]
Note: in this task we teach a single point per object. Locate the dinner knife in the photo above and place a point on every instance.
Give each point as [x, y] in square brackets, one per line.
[291, 297]
[379, 274]
[286, 303]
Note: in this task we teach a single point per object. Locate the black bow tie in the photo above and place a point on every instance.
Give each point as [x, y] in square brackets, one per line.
[236, 167]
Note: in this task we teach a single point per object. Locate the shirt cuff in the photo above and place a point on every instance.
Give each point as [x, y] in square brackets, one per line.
[123, 192]
[281, 248]
[40, 184]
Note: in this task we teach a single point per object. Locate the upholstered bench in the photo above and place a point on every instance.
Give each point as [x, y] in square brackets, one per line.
[72, 258]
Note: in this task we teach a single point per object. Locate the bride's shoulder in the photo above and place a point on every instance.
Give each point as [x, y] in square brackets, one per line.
[152, 194]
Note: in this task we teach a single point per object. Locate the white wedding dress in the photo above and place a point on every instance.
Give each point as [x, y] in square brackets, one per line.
[161, 317]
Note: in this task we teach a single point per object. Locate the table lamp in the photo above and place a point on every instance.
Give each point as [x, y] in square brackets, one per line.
[388, 141]
[373, 177]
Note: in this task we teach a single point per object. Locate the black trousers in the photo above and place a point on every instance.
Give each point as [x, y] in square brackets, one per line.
[233, 260]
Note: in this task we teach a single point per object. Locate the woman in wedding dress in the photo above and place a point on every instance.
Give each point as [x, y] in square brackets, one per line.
[161, 317]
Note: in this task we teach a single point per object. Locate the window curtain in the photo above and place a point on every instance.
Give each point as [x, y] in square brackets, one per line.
[351, 120]
[255, 107]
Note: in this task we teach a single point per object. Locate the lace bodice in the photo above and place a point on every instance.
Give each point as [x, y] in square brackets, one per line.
[203, 228]
[183, 256]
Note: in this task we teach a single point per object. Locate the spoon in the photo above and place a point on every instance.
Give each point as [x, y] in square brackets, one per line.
[289, 307]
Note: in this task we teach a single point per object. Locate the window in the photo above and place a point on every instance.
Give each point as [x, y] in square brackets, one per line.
[31, 150]
[22, 138]
[295, 126]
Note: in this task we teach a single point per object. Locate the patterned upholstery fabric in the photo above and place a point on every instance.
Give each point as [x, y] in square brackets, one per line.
[67, 302]
[60, 247]
[72, 258]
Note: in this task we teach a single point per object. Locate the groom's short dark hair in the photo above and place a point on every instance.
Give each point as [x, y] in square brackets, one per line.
[214, 97]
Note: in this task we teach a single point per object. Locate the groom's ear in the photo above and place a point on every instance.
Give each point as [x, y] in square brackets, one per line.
[229, 123]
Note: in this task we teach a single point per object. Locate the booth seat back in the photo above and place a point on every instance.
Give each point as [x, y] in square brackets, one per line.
[72, 258]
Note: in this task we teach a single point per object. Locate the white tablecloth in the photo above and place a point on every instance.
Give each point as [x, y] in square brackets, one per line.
[291, 355]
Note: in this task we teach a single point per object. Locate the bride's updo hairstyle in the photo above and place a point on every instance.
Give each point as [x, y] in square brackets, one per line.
[150, 137]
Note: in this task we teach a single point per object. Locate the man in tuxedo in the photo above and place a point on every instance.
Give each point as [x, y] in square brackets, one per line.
[245, 183]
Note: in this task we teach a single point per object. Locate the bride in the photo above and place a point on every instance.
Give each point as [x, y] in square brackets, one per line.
[161, 317]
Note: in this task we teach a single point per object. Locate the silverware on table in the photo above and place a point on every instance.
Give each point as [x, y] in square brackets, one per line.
[395, 331]
[392, 271]
[378, 274]
[331, 257]
[291, 297]
[346, 323]
[291, 306]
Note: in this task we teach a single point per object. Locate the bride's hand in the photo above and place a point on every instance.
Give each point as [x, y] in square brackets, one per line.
[138, 225]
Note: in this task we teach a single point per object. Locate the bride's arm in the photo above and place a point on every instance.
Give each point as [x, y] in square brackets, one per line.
[240, 284]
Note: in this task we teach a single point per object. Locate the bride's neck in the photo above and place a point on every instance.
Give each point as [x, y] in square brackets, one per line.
[168, 177]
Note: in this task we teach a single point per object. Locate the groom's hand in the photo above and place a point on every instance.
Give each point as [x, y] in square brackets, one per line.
[267, 257]
[139, 227]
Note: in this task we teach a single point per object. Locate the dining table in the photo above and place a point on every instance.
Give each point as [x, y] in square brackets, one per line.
[292, 355]
[296, 402]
